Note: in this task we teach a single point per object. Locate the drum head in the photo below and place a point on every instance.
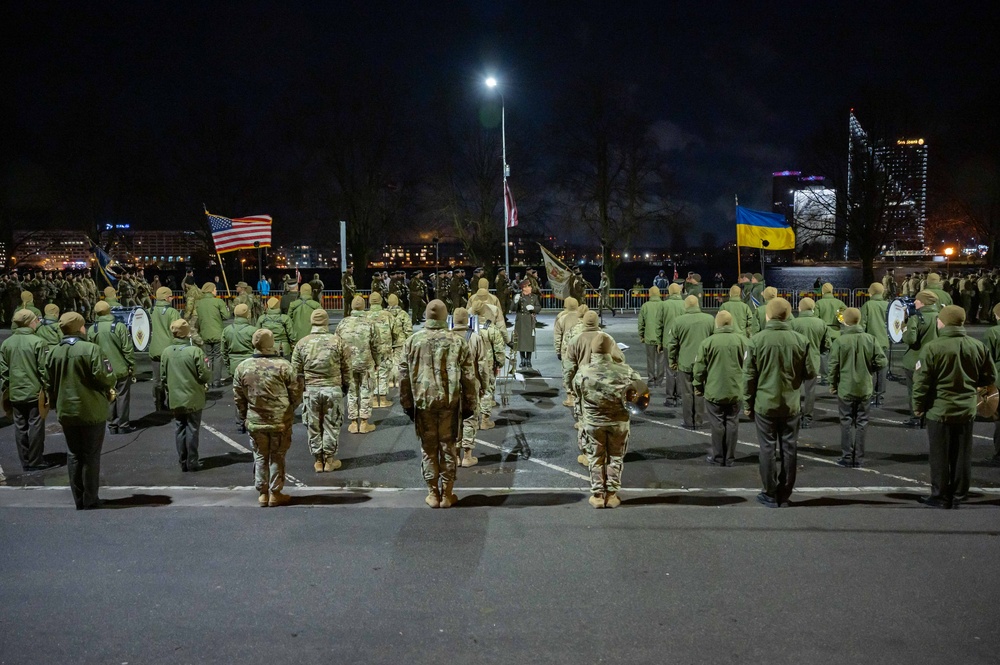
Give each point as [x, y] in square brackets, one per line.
[139, 329]
[896, 320]
[987, 400]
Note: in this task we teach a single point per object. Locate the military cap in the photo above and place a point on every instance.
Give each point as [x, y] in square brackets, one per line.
[70, 323]
[375, 298]
[695, 276]
[163, 293]
[576, 269]
[723, 318]
[590, 318]
[242, 285]
[460, 318]
[51, 311]
[241, 310]
[180, 328]
[827, 288]
[102, 308]
[436, 311]
[952, 315]
[524, 282]
[358, 303]
[306, 290]
[759, 277]
[807, 305]
[417, 274]
[926, 297]
[109, 292]
[26, 297]
[654, 291]
[778, 309]
[24, 317]
[208, 287]
[392, 300]
[273, 302]
[319, 317]
[602, 344]
[674, 290]
[852, 316]
[263, 340]
[876, 289]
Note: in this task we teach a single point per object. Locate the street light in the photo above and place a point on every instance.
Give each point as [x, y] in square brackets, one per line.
[948, 251]
[491, 83]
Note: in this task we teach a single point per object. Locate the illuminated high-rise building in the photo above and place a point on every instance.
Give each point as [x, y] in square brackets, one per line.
[809, 206]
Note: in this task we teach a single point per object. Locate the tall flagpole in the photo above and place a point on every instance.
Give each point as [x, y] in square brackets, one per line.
[222, 266]
[739, 268]
[506, 173]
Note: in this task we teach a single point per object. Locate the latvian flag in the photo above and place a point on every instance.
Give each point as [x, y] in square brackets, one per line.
[230, 235]
[511, 206]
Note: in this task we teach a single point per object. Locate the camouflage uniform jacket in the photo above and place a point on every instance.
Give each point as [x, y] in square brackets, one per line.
[496, 339]
[266, 391]
[359, 335]
[402, 326]
[418, 292]
[600, 388]
[578, 353]
[321, 359]
[482, 358]
[565, 321]
[436, 372]
[382, 322]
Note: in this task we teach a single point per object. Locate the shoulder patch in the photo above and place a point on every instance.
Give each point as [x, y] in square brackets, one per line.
[916, 368]
[107, 366]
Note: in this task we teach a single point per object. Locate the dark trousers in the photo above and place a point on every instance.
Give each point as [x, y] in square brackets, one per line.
[808, 399]
[654, 363]
[118, 411]
[725, 422]
[778, 439]
[996, 441]
[951, 459]
[692, 406]
[878, 380]
[159, 397]
[84, 462]
[670, 382]
[213, 351]
[853, 425]
[186, 428]
[29, 433]
[908, 373]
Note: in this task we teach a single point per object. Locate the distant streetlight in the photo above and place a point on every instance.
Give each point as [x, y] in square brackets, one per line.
[948, 251]
[491, 83]
[243, 263]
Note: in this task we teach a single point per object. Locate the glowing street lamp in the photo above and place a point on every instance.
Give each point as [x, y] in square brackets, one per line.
[948, 251]
[491, 83]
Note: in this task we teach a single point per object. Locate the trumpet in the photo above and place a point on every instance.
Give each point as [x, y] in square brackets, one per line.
[112, 395]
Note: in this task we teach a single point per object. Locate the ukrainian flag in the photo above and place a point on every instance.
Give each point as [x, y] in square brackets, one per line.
[764, 230]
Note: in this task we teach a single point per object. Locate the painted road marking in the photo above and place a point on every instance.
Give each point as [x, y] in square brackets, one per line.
[237, 446]
[547, 465]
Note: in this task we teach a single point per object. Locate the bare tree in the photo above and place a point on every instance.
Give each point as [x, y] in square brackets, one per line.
[976, 200]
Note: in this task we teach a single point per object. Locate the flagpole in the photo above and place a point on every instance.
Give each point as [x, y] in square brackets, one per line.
[222, 266]
[506, 210]
[739, 266]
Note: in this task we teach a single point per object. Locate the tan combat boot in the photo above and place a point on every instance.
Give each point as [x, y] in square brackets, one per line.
[568, 401]
[353, 427]
[366, 427]
[486, 423]
[597, 501]
[468, 459]
[318, 464]
[448, 499]
[384, 402]
[432, 499]
[278, 499]
[612, 500]
[582, 459]
[331, 464]
[262, 500]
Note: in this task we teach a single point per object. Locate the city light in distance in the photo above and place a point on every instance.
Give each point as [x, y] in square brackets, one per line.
[491, 82]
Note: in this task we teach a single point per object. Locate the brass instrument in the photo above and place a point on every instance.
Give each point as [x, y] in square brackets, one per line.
[637, 397]
[112, 395]
[987, 400]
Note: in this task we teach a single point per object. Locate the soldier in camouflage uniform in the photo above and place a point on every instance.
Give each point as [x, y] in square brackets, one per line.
[267, 391]
[437, 404]
[317, 285]
[245, 296]
[348, 289]
[358, 333]
[382, 323]
[600, 388]
[418, 297]
[377, 285]
[577, 355]
[320, 360]
[401, 330]
[496, 342]
[482, 367]
[280, 326]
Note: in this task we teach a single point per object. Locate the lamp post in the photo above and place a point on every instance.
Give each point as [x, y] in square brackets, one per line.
[948, 251]
[491, 82]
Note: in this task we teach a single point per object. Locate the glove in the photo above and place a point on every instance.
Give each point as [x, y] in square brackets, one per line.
[918, 414]
[748, 413]
[530, 308]
[558, 356]
[699, 393]
[833, 390]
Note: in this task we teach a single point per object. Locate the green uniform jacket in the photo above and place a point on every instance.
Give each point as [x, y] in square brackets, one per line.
[279, 324]
[759, 321]
[30, 308]
[742, 315]
[670, 310]
[237, 343]
[853, 358]
[160, 336]
[718, 367]
[651, 322]
[299, 312]
[778, 361]
[185, 372]
[921, 328]
[873, 319]
[211, 311]
[686, 336]
[49, 332]
[944, 298]
[79, 380]
[827, 308]
[22, 365]
[992, 342]
[116, 344]
[813, 329]
[266, 391]
[950, 369]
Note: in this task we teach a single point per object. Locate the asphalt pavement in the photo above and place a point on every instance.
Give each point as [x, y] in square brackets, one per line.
[184, 568]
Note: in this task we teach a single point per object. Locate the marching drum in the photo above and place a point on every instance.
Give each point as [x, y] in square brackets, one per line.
[137, 322]
[900, 309]
[473, 322]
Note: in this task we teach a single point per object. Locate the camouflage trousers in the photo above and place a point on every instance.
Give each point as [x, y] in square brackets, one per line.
[381, 372]
[397, 358]
[438, 432]
[323, 416]
[359, 395]
[487, 396]
[269, 450]
[605, 448]
[567, 368]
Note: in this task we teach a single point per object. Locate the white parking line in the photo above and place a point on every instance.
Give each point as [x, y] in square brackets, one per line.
[537, 461]
[225, 439]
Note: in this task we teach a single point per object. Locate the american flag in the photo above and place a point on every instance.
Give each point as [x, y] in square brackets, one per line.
[241, 233]
[511, 206]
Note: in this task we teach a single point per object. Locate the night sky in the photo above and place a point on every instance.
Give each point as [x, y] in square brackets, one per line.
[734, 90]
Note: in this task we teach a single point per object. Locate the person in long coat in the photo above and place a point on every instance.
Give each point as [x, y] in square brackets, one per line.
[527, 305]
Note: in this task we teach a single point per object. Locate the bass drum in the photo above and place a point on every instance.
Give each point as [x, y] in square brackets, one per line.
[137, 322]
[900, 309]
